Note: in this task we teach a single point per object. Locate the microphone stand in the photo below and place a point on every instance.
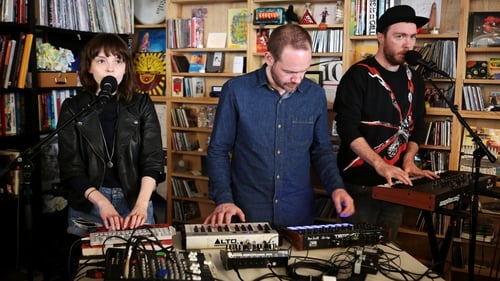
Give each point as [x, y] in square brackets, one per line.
[479, 152]
[25, 163]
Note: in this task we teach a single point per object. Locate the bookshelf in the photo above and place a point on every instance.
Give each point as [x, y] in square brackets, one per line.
[190, 108]
[353, 48]
[35, 18]
[216, 22]
[411, 239]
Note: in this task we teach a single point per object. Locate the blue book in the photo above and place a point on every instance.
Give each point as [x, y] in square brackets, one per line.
[197, 62]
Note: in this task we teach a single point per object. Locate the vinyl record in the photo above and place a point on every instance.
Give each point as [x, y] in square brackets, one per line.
[150, 11]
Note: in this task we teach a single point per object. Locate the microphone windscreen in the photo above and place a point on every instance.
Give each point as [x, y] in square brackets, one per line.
[109, 83]
[412, 57]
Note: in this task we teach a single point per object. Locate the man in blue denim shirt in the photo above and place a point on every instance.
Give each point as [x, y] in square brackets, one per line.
[271, 125]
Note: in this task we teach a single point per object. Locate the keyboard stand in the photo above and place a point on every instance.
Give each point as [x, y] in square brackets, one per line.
[439, 253]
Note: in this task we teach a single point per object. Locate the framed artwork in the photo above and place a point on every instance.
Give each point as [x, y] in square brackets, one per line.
[483, 30]
[315, 76]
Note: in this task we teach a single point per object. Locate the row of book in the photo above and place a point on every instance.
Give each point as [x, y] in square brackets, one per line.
[14, 11]
[438, 160]
[49, 105]
[439, 221]
[185, 141]
[323, 41]
[443, 53]
[185, 188]
[194, 116]
[365, 14]
[199, 62]
[188, 86]
[473, 98]
[327, 41]
[111, 16]
[185, 33]
[438, 133]
[14, 60]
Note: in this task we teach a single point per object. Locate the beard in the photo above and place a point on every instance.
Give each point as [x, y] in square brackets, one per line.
[394, 58]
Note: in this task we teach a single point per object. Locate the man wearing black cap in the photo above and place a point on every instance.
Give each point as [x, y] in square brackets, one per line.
[380, 119]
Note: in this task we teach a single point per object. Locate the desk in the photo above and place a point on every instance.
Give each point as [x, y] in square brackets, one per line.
[405, 262]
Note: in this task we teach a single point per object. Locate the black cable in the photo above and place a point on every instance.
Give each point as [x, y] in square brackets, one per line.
[272, 276]
[270, 267]
[238, 274]
[391, 263]
[325, 268]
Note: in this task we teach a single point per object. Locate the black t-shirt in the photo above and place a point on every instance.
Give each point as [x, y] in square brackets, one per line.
[365, 108]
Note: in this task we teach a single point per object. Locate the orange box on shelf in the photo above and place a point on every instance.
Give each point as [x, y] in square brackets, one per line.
[50, 79]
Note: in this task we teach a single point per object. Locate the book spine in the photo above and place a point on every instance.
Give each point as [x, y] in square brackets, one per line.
[25, 58]
[9, 58]
[371, 17]
[16, 65]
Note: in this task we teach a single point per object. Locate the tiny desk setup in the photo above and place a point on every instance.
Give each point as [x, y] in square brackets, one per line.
[247, 251]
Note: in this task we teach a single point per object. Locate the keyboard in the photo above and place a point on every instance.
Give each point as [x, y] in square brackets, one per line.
[153, 232]
[200, 236]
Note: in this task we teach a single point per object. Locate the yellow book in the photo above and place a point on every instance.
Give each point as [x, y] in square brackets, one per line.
[237, 27]
[25, 61]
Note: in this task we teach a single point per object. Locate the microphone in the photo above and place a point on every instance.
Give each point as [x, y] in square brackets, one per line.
[108, 86]
[414, 58]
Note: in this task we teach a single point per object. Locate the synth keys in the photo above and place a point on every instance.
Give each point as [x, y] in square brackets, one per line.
[202, 236]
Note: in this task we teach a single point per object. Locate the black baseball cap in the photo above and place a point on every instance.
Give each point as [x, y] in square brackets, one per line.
[401, 13]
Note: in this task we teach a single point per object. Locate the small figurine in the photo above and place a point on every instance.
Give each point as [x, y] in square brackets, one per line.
[290, 15]
[323, 25]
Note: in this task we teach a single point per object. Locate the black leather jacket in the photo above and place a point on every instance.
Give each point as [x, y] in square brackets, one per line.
[82, 153]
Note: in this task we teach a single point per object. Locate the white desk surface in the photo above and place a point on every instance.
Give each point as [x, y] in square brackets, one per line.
[399, 259]
[405, 262]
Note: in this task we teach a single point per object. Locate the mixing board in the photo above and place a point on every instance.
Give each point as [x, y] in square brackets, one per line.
[175, 265]
[156, 231]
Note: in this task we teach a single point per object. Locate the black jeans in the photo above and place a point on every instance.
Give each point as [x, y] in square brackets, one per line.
[374, 212]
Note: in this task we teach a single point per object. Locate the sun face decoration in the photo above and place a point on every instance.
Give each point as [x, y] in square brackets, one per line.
[151, 70]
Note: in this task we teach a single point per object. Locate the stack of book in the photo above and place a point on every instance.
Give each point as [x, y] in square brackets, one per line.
[485, 231]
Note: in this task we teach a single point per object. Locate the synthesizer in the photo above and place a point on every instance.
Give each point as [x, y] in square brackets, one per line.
[335, 235]
[430, 195]
[175, 265]
[153, 232]
[202, 236]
